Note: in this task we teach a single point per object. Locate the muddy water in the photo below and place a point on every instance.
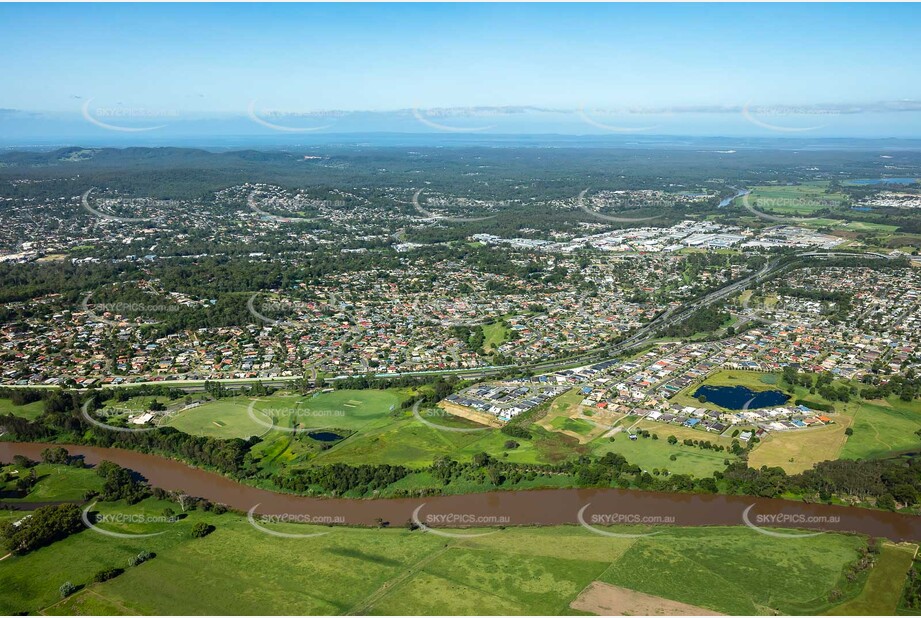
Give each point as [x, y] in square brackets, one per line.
[541, 507]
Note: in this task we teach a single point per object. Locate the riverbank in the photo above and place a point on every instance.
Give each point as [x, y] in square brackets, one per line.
[240, 569]
[546, 507]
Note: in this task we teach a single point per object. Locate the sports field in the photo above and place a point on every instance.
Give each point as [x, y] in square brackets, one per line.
[225, 418]
[377, 429]
[230, 418]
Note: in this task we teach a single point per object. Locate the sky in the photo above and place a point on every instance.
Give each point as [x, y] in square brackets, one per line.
[156, 64]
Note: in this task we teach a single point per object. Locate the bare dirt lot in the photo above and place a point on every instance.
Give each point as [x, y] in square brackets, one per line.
[606, 600]
[470, 414]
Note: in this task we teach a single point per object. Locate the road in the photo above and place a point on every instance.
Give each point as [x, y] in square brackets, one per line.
[639, 338]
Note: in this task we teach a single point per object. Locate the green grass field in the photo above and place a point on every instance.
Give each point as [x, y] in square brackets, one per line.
[240, 570]
[56, 483]
[577, 425]
[802, 199]
[345, 409]
[225, 418]
[853, 226]
[652, 454]
[401, 441]
[350, 409]
[29, 411]
[394, 571]
[377, 430]
[736, 572]
[883, 590]
[495, 334]
[882, 427]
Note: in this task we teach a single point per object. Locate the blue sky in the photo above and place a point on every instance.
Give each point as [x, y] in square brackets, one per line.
[219, 58]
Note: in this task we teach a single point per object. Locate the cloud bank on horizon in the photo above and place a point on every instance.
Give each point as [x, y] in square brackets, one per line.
[170, 71]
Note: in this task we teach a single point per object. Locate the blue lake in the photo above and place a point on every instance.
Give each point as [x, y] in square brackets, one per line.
[736, 397]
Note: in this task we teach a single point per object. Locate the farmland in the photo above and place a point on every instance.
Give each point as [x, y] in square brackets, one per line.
[799, 200]
[396, 571]
[881, 594]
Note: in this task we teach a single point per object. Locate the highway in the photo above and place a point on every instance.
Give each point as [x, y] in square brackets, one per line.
[639, 338]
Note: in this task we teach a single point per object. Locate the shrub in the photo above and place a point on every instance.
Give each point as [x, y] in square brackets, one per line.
[67, 589]
[107, 574]
[516, 431]
[141, 558]
[202, 529]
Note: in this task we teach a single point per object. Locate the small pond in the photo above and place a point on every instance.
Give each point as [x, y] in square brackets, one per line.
[741, 397]
[325, 436]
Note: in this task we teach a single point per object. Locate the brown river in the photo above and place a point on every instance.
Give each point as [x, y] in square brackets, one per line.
[592, 507]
